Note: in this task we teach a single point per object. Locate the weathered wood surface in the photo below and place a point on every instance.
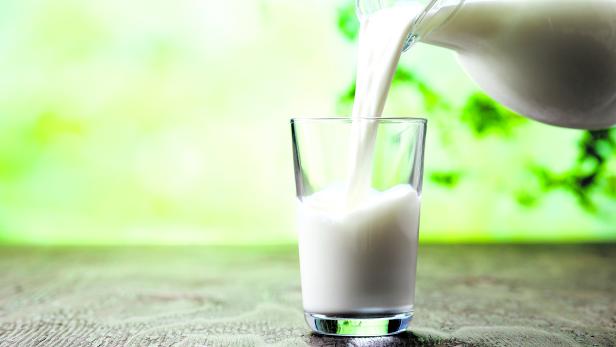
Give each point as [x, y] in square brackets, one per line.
[468, 295]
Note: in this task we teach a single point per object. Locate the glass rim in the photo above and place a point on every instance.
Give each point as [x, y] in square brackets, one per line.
[350, 119]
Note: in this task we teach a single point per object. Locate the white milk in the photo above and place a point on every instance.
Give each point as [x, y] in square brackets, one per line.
[551, 60]
[358, 247]
[359, 261]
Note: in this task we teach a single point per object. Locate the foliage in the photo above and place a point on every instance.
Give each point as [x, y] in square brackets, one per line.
[446, 179]
[587, 178]
[485, 116]
[348, 25]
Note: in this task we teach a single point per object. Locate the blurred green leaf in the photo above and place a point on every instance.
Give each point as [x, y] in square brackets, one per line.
[446, 179]
[485, 116]
[348, 24]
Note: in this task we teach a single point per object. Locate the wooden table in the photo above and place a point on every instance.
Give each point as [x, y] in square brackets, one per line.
[204, 296]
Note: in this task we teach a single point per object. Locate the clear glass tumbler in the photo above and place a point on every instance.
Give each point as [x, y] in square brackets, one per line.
[358, 186]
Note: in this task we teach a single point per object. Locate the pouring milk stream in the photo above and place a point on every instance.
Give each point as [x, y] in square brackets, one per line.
[358, 246]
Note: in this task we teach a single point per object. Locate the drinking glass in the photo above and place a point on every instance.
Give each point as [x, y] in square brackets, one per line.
[358, 185]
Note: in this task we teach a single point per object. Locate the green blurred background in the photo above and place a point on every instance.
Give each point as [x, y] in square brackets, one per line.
[166, 122]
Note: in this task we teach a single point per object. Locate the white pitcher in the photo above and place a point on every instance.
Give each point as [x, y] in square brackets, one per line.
[550, 60]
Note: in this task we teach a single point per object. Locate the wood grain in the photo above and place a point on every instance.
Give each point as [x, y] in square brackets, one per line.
[467, 295]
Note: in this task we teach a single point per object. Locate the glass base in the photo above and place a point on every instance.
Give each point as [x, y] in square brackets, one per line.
[359, 326]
